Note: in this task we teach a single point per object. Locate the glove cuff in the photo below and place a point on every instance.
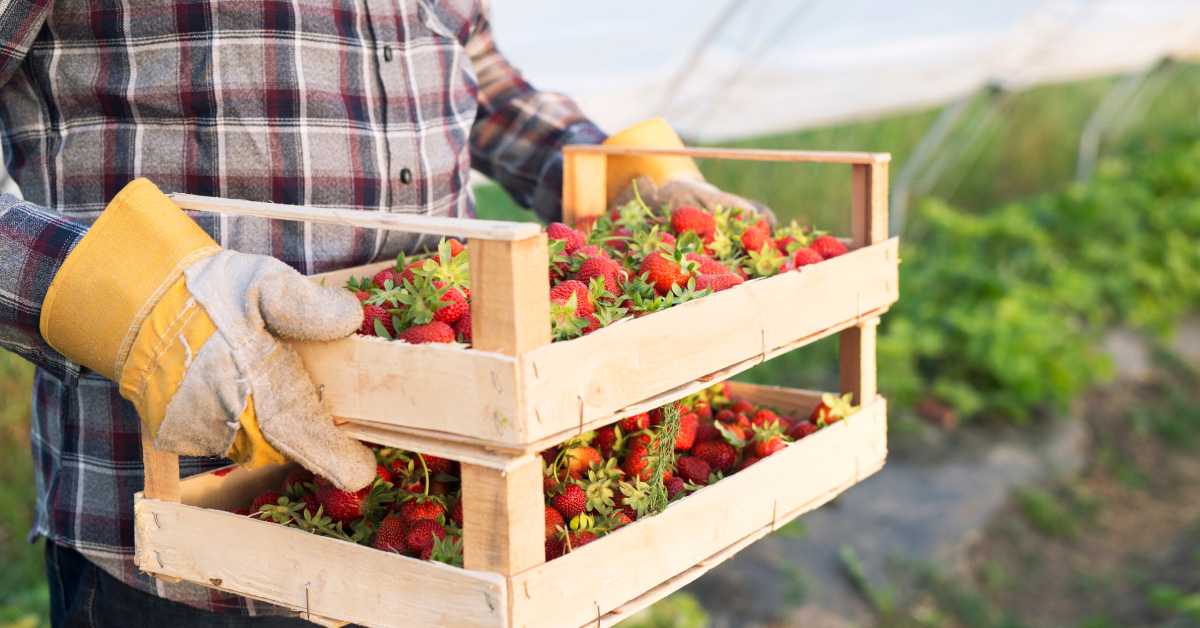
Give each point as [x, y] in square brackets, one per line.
[130, 259]
[654, 133]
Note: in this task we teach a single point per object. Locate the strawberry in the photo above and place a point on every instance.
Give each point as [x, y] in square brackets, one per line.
[456, 515]
[362, 296]
[456, 247]
[382, 473]
[591, 251]
[458, 305]
[675, 485]
[783, 243]
[741, 406]
[373, 313]
[620, 519]
[576, 540]
[720, 456]
[571, 502]
[583, 299]
[747, 462]
[832, 409]
[554, 548]
[663, 272]
[310, 503]
[435, 331]
[580, 459]
[806, 256]
[390, 537]
[294, 482]
[422, 534]
[756, 240]
[767, 445]
[418, 509]
[602, 267]
[586, 224]
[688, 424]
[693, 470]
[554, 520]
[706, 432]
[436, 465]
[270, 498]
[240, 511]
[382, 277]
[708, 265]
[342, 505]
[726, 416]
[409, 274]
[703, 410]
[462, 327]
[605, 440]
[616, 242]
[636, 422]
[593, 324]
[764, 418]
[828, 247]
[688, 218]
[802, 429]
[718, 282]
[572, 238]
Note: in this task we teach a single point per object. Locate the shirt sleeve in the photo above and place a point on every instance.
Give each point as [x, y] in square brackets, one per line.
[20, 22]
[519, 132]
[34, 242]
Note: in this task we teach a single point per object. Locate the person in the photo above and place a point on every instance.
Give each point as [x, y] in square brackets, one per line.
[136, 313]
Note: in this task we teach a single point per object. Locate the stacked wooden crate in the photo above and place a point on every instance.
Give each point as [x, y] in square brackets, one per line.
[495, 405]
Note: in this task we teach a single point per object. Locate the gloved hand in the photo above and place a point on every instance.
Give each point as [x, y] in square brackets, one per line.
[189, 330]
[694, 192]
[666, 181]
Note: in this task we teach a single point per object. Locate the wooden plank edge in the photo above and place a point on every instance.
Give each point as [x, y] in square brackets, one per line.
[409, 223]
[745, 154]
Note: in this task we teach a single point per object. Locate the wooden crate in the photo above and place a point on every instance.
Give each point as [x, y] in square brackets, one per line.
[527, 393]
[184, 532]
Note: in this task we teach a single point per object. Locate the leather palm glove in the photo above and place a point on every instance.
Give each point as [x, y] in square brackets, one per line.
[189, 330]
[666, 182]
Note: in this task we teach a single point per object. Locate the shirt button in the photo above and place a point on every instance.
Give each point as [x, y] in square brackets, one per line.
[406, 176]
[387, 53]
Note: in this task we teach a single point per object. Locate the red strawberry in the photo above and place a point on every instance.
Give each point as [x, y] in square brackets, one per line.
[381, 472]
[605, 440]
[586, 224]
[703, 410]
[580, 459]
[449, 314]
[591, 251]
[756, 240]
[362, 296]
[764, 418]
[390, 537]
[436, 465]
[616, 243]
[554, 548]
[382, 277]
[270, 498]
[435, 331]
[421, 535]
[569, 236]
[341, 505]
[456, 247]
[706, 432]
[741, 406]
[693, 470]
[720, 456]
[407, 274]
[664, 273]
[782, 243]
[413, 511]
[802, 429]
[583, 299]
[636, 422]
[718, 282]
[593, 323]
[294, 481]
[240, 511]
[688, 218]
[767, 445]
[310, 503]
[726, 416]
[621, 519]
[688, 424]
[675, 485]
[554, 520]
[635, 465]
[462, 327]
[576, 540]
[828, 247]
[747, 462]
[456, 515]
[600, 267]
[372, 313]
[708, 265]
[805, 257]
[571, 502]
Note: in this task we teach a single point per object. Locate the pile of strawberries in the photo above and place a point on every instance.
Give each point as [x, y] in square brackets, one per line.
[627, 264]
[593, 484]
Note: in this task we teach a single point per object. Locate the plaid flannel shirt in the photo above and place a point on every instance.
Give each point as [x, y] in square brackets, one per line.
[373, 105]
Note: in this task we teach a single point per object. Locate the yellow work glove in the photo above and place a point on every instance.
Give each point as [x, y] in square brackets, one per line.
[666, 182]
[188, 330]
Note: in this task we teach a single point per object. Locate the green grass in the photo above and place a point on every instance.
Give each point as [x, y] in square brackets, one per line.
[24, 597]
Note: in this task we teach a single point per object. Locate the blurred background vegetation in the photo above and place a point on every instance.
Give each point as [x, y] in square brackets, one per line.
[1012, 273]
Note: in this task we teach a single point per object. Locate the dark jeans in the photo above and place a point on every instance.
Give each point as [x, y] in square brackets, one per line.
[84, 596]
